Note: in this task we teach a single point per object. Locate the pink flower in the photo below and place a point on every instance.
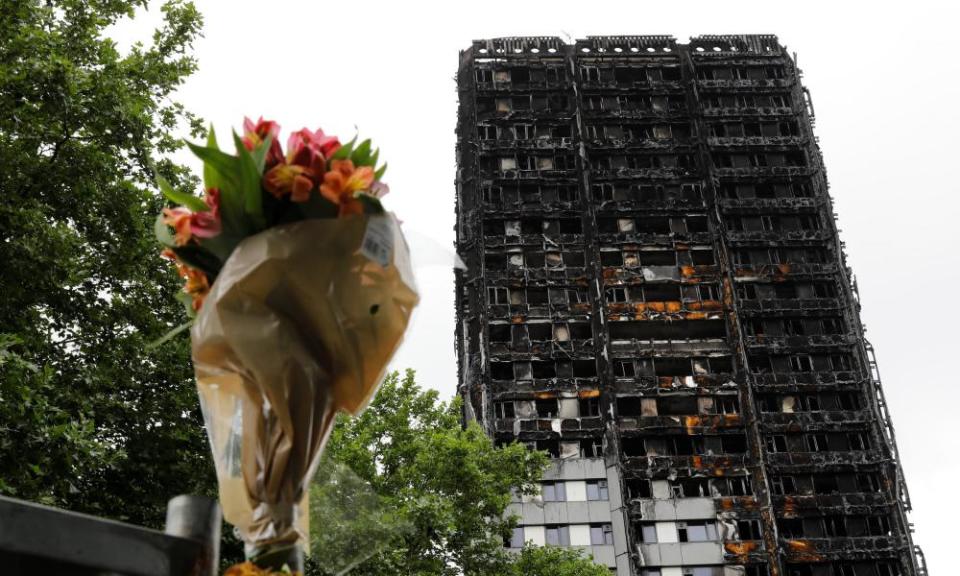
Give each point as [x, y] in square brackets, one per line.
[379, 189]
[207, 224]
[316, 142]
[255, 134]
[187, 224]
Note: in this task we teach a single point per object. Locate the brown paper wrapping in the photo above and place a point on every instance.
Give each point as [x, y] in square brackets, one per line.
[300, 323]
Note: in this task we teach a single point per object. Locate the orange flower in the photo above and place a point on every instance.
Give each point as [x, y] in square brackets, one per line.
[251, 569]
[197, 284]
[178, 219]
[343, 181]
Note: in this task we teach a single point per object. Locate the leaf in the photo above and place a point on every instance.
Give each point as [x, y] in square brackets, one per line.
[260, 153]
[188, 200]
[361, 155]
[223, 164]
[380, 172]
[344, 151]
[162, 232]
[221, 171]
[211, 178]
[249, 180]
[375, 158]
[169, 335]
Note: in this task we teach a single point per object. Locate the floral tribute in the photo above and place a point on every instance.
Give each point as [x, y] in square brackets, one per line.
[258, 188]
[300, 288]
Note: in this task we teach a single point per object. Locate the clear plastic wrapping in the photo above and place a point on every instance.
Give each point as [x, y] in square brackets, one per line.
[300, 323]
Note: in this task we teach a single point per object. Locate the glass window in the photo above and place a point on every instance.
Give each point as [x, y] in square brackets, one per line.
[597, 490]
[697, 531]
[558, 535]
[601, 534]
[554, 492]
[648, 533]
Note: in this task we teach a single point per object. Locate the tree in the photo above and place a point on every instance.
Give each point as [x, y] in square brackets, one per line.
[90, 419]
[555, 561]
[406, 489]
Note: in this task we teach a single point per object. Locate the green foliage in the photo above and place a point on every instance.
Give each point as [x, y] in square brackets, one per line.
[442, 490]
[555, 561]
[89, 419]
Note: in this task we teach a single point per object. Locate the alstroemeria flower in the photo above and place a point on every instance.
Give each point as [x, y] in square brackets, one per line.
[316, 142]
[303, 168]
[283, 179]
[197, 285]
[256, 134]
[342, 181]
[187, 224]
[179, 219]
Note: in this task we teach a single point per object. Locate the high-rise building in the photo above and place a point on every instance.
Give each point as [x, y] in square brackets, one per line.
[656, 295]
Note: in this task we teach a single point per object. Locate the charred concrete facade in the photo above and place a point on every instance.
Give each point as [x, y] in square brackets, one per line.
[656, 295]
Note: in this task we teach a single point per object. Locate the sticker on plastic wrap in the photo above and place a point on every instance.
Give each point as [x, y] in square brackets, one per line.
[378, 241]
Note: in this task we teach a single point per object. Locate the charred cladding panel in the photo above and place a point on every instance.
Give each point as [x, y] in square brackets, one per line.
[656, 295]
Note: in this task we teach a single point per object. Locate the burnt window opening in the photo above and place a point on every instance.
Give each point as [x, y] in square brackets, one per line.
[782, 485]
[584, 368]
[624, 369]
[617, 295]
[776, 443]
[677, 406]
[660, 330]
[638, 488]
[551, 447]
[661, 292]
[500, 333]
[504, 410]
[537, 296]
[497, 295]
[544, 369]
[547, 408]
[591, 448]
[540, 331]
[501, 370]
[589, 407]
[749, 529]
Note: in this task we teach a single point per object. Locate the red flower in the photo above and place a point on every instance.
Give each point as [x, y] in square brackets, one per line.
[255, 134]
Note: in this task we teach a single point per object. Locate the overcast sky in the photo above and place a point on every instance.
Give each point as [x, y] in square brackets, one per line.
[887, 103]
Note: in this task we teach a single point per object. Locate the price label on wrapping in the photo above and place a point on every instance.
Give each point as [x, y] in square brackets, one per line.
[378, 241]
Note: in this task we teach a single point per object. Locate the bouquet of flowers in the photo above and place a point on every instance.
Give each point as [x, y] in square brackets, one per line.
[301, 288]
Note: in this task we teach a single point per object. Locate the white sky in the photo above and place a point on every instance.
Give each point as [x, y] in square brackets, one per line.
[886, 95]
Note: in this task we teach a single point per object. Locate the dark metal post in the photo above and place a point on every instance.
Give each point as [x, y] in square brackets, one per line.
[197, 518]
